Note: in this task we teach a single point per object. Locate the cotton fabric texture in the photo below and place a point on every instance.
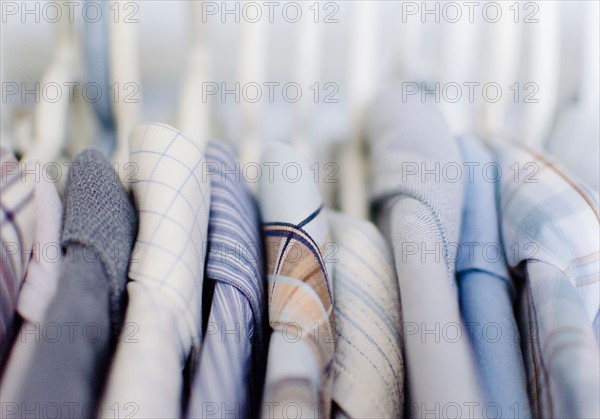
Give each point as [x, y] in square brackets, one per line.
[487, 292]
[419, 210]
[230, 372]
[172, 197]
[368, 367]
[99, 229]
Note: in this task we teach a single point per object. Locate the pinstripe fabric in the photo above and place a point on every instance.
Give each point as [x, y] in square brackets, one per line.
[166, 270]
[551, 234]
[368, 370]
[231, 361]
[300, 297]
[418, 208]
[17, 219]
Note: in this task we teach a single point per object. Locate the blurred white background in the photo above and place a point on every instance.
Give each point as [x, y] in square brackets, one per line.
[360, 47]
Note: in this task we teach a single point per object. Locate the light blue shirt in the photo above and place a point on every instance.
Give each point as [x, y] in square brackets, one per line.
[487, 293]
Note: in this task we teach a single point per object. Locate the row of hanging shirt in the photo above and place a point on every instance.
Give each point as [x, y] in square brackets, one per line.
[162, 329]
[158, 306]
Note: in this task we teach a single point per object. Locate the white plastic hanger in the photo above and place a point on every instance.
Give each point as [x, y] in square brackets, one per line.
[575, 140]
[306, 72]
[501, 50]
[409, 62]
[457, 56]
[541, 66]
[590, 84]
[193, 116]
[353, 197]
[251, 70]
[50, 117]
[125, 80]
[573, 23]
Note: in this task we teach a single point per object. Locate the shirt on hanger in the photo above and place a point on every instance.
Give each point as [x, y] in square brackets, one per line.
[418, 200]
[487, 292]
[550, 227]
[230, 371]
[39, 287]
[172, 198]
[17, 235]
[300, 297]
[368, 368]
[69, 361]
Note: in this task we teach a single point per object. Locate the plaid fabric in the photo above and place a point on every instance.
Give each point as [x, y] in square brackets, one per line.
[299, 291]
[163, 319]
[17, 219]
[561, 355]
[300, 295]
[550, 227]
[548, 217]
